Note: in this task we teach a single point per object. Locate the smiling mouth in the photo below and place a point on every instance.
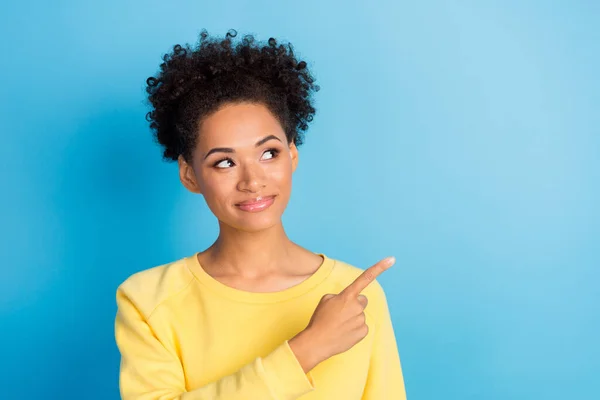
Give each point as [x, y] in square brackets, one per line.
[258, 200]
[257, 206]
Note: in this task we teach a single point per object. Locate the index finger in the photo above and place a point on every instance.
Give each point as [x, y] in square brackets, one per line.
[368, 276]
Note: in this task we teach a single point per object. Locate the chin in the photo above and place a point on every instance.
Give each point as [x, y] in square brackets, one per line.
[254, 222]
[254, 226]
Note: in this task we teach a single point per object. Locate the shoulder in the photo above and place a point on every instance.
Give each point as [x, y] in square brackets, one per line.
[150, 288]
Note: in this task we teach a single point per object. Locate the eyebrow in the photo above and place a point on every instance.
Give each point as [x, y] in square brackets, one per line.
[230, 150]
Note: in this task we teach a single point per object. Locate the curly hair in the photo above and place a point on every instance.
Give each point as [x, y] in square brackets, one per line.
[194, 82]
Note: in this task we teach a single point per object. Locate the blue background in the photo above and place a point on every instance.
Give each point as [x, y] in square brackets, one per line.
[460, 136]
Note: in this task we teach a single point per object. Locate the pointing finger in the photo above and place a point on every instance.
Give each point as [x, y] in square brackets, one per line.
[368, 276]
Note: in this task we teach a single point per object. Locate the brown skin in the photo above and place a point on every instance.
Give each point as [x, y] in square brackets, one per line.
[252, 251]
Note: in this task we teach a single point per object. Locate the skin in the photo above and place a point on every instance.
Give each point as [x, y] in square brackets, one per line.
[252, 251]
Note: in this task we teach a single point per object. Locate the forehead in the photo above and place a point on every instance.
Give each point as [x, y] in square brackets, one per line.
[238, 125]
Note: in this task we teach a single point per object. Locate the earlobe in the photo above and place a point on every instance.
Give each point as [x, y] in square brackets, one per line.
[187, 177]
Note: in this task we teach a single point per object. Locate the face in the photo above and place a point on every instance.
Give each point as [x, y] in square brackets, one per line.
[241, 154]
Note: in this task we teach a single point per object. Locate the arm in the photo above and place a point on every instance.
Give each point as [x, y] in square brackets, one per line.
[151, 372]
[385, 380]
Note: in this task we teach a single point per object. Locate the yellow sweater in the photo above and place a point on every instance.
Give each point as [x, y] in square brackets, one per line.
[184, 335]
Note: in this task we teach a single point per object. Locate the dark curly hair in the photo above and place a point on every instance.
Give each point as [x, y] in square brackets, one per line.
[194, 82]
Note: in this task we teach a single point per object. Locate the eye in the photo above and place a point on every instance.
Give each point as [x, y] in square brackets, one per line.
[216, 165]
[273, 151]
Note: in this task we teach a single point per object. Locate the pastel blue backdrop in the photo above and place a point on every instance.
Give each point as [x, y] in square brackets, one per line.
[460, 136]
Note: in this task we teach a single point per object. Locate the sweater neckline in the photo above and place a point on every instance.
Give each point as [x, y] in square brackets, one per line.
[260, 297]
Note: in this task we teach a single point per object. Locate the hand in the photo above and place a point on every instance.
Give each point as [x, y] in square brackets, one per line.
[338, 322]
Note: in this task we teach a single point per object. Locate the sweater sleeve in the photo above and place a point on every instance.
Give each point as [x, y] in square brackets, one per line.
[149, 371]
[384, 380]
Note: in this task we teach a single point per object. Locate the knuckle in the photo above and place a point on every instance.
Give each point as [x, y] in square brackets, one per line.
[365, 331]
[323, 299]
[360, 309]
[347, 296]
[362, 318]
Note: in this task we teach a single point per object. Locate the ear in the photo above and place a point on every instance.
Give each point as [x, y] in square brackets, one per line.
[187, 176]
[294, 153]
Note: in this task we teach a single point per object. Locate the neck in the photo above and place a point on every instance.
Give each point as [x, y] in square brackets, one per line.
[251, 254]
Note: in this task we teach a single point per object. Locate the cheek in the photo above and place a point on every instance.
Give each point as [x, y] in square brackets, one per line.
[217, 188]
[282, 173]
[281, 181]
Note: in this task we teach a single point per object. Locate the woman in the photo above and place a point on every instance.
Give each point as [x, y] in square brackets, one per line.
[255, 315]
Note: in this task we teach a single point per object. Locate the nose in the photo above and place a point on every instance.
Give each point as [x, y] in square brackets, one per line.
[252, 179]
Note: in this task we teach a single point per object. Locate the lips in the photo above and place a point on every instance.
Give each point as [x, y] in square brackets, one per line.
[254, 201]
[257, 204]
